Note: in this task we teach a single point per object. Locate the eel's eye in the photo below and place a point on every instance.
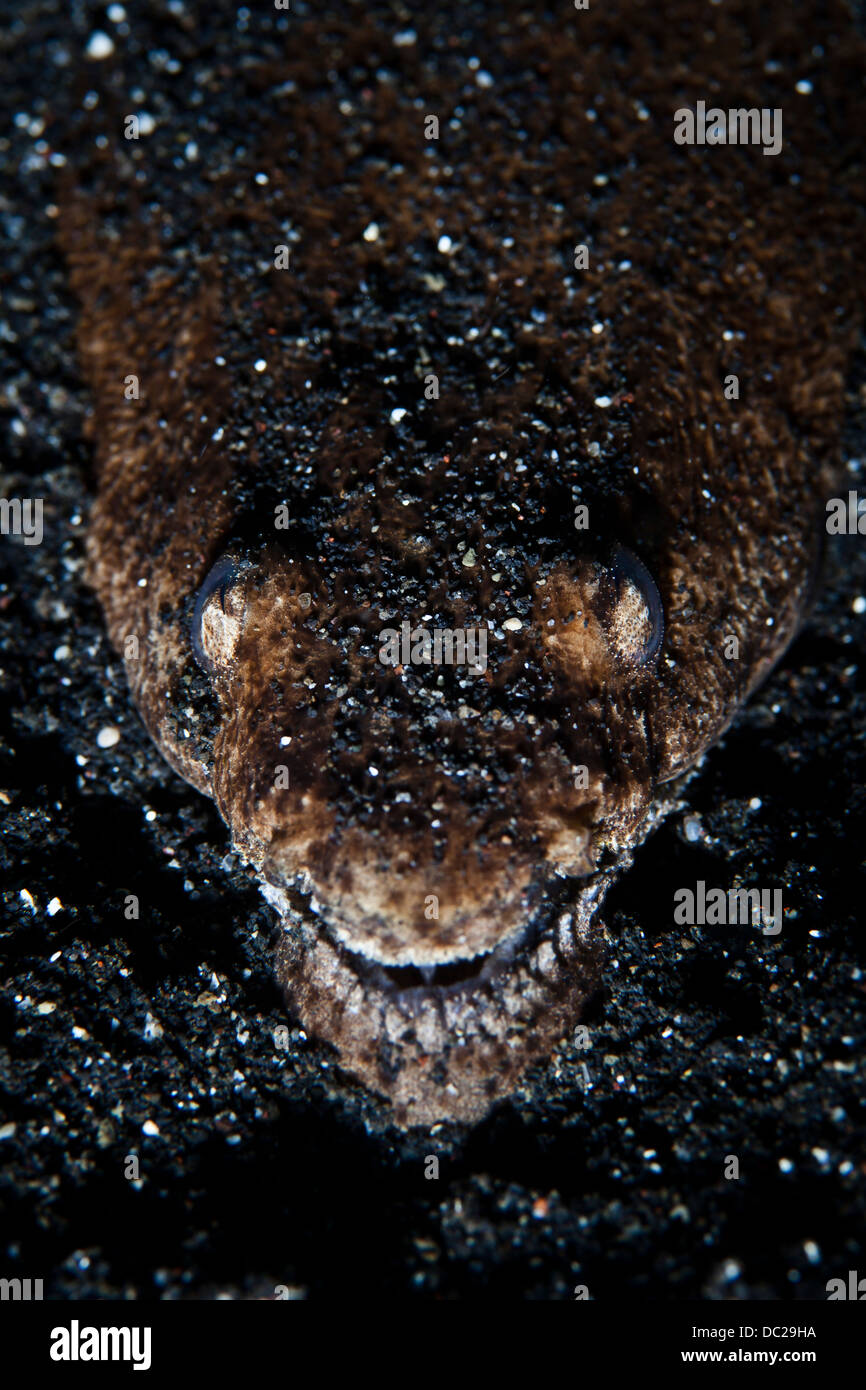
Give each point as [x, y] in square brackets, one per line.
[217, 618]
[601, 616]
[636, 622]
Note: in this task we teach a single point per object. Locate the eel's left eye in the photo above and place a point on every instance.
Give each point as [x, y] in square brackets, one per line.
[636, 621]
[217, 618]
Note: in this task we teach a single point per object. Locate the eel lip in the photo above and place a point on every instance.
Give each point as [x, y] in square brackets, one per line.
[412, 984]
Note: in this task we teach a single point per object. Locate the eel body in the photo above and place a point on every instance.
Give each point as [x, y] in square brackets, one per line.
[425, 321]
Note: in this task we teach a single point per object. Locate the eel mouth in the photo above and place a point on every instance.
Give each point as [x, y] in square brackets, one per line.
[415, 982]
[415, 985]
[444, 1042]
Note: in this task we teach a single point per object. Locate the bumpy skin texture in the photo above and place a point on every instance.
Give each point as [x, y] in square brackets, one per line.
[419, 783]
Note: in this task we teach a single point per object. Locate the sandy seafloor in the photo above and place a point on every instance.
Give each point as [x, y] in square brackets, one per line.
[262, 1168]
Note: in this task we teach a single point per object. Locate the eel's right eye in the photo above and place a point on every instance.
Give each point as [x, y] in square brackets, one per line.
[217, 618]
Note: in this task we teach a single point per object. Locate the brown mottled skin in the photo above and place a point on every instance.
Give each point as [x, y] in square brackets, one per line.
[421, 783]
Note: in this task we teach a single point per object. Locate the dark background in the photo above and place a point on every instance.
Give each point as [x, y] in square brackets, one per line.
[261, 1167]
